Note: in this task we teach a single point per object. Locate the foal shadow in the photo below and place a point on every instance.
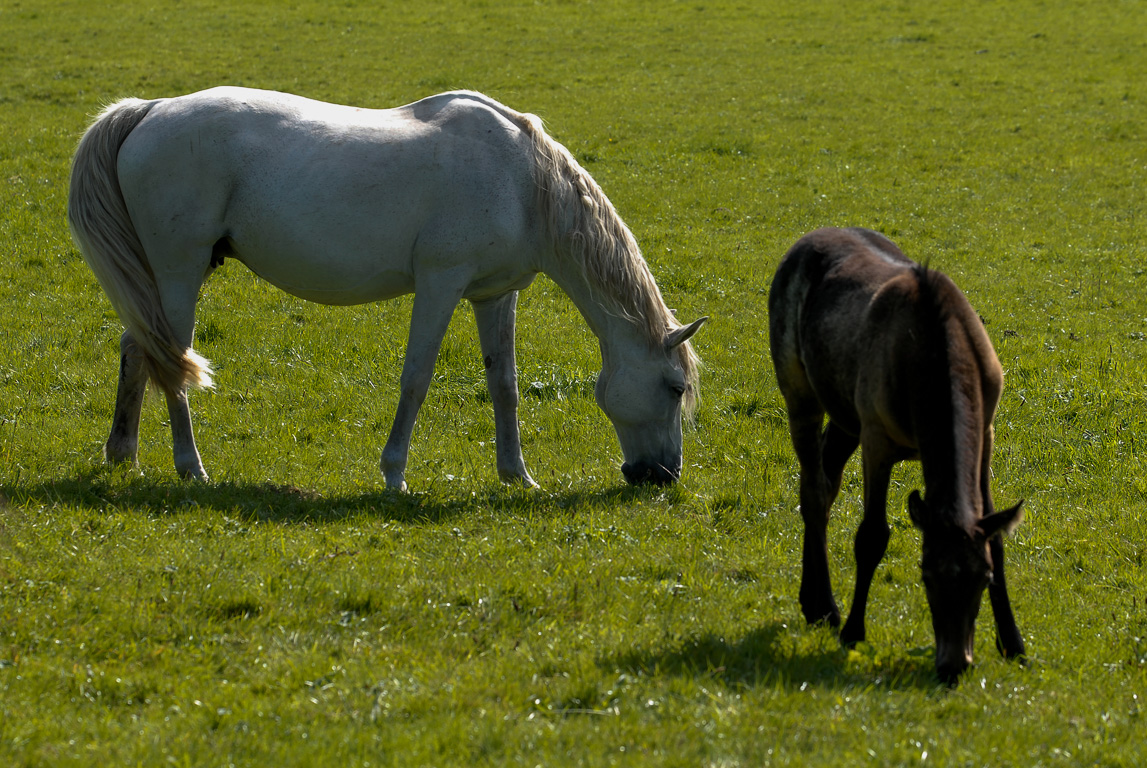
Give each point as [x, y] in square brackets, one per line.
[764, 656]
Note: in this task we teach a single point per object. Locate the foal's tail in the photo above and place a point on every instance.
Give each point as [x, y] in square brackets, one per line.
[102, 227]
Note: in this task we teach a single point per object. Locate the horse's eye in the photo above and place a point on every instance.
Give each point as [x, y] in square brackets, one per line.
[678, 390]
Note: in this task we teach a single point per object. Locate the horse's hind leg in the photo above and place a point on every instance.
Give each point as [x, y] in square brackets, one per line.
[495, 320]
[123, 442]
[179, 299]
[822, 456]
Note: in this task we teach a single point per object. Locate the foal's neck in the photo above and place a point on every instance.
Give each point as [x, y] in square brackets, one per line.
[950, 456]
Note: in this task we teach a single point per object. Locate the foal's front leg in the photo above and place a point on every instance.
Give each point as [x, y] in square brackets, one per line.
[123, 442]
[822, 456]
[1009, 641]
[428, 323]
[872, 535]
[495, 320]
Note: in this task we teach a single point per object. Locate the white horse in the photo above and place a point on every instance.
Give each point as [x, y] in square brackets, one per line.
[452, 197]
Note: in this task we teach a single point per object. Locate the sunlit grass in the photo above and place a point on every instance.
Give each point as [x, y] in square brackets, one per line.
[292, 612]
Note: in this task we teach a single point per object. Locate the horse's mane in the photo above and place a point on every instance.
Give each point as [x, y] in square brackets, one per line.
[581, 218]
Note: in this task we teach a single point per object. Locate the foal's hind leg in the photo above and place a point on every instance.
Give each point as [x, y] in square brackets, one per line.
[822, 456]
[495, 320]
[123, 442]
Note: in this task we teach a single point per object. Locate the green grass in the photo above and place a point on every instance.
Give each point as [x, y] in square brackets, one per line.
[294, 613]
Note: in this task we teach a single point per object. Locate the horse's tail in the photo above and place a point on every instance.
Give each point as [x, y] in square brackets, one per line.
[106, 236]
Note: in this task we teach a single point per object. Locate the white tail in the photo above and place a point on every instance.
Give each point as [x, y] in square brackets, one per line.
[102, 228]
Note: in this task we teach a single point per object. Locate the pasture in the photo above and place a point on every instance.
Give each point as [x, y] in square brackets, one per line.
[293, 612]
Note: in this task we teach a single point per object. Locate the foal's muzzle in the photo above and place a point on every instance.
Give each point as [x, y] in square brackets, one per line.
[643, 473]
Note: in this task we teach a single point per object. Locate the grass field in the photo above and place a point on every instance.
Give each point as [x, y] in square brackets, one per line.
[292, 612]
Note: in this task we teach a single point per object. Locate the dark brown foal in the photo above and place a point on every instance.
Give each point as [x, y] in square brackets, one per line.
[898, 360]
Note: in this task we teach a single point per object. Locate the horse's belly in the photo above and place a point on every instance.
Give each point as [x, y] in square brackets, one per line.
[332, 282]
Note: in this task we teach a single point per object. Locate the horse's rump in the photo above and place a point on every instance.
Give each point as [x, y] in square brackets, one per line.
[103, 229]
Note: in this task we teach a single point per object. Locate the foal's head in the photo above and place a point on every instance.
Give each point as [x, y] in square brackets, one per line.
[956, 566]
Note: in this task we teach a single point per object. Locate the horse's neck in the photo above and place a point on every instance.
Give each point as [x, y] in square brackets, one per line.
[611, 330]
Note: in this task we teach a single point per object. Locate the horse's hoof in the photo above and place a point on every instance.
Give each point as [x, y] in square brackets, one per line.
[117, 455]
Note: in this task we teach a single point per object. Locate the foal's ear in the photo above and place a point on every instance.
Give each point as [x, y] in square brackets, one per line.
[1004, 522]
[681, 335]
[916, 509]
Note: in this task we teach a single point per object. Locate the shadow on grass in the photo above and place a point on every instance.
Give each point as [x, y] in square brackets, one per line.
[767, 656]
[103, 490]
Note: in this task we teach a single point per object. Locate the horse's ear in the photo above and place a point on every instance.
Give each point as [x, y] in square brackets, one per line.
[681, 335]
[1004, 522]
[916, 510]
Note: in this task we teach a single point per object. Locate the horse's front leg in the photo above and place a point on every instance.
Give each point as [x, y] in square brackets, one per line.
[495, 320]
[872, 535]
[428, 323]
[123, 442]
[1009, 641]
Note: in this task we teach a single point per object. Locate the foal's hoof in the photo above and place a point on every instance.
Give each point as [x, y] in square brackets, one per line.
[523, 481]
[1012, 649]
[828, 616]
[849, 637]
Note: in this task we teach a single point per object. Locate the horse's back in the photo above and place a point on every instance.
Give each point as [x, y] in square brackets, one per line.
[335, 203]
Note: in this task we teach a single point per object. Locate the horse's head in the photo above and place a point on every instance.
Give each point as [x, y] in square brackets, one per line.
[643, 390]
[956, 566]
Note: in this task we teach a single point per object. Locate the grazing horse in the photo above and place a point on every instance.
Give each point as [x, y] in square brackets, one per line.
[452, 197]
[895, 356]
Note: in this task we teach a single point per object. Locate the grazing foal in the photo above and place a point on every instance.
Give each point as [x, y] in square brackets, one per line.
[899, 361]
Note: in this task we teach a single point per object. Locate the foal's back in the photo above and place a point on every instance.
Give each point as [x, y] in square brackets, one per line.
[870, 336]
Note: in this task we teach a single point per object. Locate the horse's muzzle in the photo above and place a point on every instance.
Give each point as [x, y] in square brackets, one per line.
[643, 473]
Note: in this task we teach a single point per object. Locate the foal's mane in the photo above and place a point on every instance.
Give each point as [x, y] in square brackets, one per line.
[944, 368]
[582, 220]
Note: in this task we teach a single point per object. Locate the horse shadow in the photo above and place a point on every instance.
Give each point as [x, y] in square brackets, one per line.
[764, 657]
[271, 502]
